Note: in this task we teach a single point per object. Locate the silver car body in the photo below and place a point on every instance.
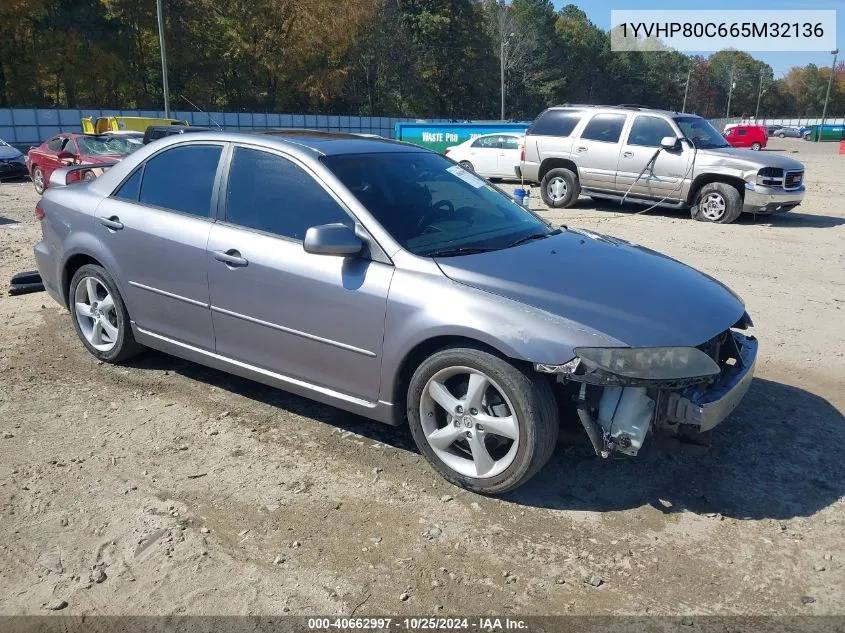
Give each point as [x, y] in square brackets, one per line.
[610, 170]
[348, 331]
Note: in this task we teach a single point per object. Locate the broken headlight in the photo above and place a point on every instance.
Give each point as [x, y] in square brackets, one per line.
[649, 363]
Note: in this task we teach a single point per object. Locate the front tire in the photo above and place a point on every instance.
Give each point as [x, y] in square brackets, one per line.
[560, 188]
[467, 165]
[481, 422]
[38, 180]
[99, 315]
[717, 202]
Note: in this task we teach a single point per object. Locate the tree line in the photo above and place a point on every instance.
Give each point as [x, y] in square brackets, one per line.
[419, 58]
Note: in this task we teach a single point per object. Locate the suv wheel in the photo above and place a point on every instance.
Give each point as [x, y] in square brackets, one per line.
[483, 423]
[560, 188]
[717, 202]
[756, 146]
[99, 315]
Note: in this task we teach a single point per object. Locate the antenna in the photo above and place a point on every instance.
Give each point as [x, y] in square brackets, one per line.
[219, 127]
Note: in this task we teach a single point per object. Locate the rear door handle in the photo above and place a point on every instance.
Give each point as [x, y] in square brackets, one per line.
[628, 154]
[113, 223]
[231, 258]
[582, 149]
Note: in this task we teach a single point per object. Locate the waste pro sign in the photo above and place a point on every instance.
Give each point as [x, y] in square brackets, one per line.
[439, 136]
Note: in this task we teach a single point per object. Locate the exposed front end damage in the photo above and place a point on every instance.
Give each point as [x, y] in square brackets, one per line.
[619, 411]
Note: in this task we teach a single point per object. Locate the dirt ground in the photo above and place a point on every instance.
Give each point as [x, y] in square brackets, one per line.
[162, 487]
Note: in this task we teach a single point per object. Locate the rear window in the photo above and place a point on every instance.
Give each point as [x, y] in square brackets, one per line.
[555, 123]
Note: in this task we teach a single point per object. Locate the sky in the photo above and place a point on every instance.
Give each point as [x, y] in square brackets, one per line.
[598, 11]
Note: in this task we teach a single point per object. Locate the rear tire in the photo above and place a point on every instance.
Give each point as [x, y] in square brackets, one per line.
[38, 180]
[499, 429]
[467, 165]
[756, 146]
[560, 188]
[99, 315]
[88, 176]
[717, 202]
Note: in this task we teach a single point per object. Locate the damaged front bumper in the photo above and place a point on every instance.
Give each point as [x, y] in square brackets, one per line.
[765, 200]
[705, 408]
[619, 413]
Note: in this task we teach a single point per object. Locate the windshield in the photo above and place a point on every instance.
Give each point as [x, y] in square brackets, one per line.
[97, 145]
[432, 206]
[3, 143]
[700, 132]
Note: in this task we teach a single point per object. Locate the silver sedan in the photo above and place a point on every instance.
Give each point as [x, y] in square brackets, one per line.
[389, 281]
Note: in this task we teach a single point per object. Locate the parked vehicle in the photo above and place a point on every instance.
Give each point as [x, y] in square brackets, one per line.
[490, 155]
[654, 157]
[155, 132]
[792, 132]
[384, 279]
[74, 149]
[12, 162]
[751, 136]
[772, 129]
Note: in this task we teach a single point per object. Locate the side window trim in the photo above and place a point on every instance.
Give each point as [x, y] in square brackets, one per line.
[223, 202]
[212, 216]
[140, 168]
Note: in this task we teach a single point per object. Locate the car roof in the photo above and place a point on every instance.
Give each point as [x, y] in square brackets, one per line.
[622, 107]
[314, 142]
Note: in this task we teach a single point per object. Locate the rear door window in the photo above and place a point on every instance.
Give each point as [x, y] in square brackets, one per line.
[182, 179]
[55, 143]
[510, 142]
[131, 186]
[555, 123]
[486, 142]
[604, 127]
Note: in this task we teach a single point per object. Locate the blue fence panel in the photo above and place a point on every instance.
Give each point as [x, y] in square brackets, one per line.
[230, 119]
[259, 119]
[8, 134]
[24, 117]
[5, 116]
[244, 120]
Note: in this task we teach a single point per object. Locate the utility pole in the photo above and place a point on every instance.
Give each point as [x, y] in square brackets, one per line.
[163, 59]
[502, 68]
[730, 92]
[759, 94]
[686, 90]
[827, 96]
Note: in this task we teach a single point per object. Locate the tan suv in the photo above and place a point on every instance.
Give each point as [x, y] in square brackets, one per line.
[654, 157]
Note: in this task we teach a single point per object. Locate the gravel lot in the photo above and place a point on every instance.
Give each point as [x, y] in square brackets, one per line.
[164, 487]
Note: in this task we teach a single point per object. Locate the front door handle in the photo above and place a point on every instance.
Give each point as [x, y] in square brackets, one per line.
[582, 149]
[231, 258]
[113, 223]
[628, 154]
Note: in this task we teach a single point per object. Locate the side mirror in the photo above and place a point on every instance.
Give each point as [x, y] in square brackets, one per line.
[332, 239]
[668, 142]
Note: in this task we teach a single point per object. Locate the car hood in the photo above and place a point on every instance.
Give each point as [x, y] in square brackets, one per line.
[8, 152]
[635, 295]
[745, 159]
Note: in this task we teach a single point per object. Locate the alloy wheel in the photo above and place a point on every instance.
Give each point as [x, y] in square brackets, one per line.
[96, 314]
[713, 206]
[469, 422]
[557, 188]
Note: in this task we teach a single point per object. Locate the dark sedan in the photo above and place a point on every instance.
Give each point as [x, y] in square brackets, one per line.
[12, 162]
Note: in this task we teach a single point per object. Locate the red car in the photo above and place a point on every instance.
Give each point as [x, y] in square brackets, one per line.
[68, 149]
[753, 136]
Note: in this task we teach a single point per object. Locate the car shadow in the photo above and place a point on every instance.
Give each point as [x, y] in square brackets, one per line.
[6, 221]
[776, 457]
[792, 220]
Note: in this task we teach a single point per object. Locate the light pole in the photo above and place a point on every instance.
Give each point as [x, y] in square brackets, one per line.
[827, 96]
[686, 90]
[759, 94]
[730, 92]
[505, 39]
[163, 60]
